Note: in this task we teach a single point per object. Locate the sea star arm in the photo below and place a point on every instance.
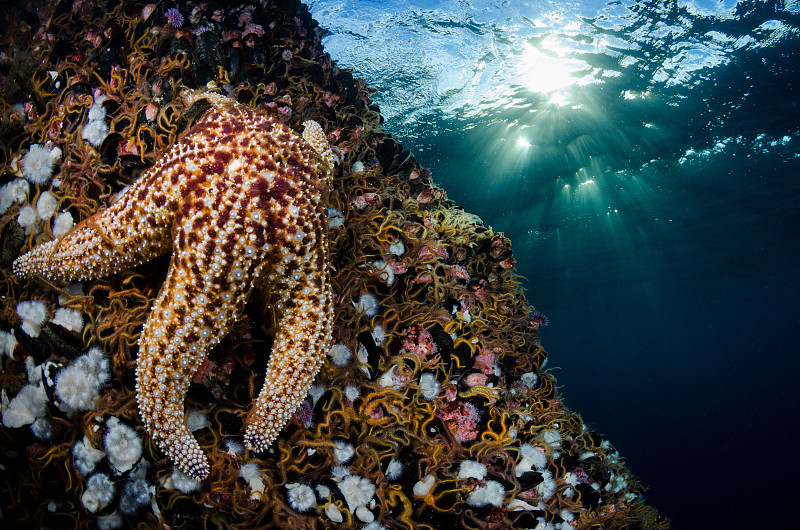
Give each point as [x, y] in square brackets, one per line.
[169, 354]
[207, 285]
[302, 339]
[132, 230]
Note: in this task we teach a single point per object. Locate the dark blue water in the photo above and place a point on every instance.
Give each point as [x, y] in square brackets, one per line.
[644, 159]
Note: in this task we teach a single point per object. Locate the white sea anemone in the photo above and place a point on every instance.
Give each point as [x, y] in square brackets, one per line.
[335, 217]
[529, 379]
[429, 385]
[123, 445]
[532, 457]
[69, 319]
[95, 363]
[97, 111]
[252, 475]
[340, 472]
[367, 304]
[136, 493]
[567, 515]
[316, 392]
[397, 248]
[86, 456]
[343, 451]
[616, 483]
[364, 515]
[394, 469]
[491, 493]
[357, 491]
[14, 192]
[46, 205]
[196, 420]
[323, 491]
[363, 358]
[378, 335]
[471, 469]
[78, 385]
[42, 428]
[7, 343]
[340, 354]
[69, 292]
[99, 492]
[384, 271]
[424, 485]
[333, 513]
[62, 224]
[28, 219]
[29, 403]
[94, 132]
[112, 521]
[38, 164]
[33, 314]
[301, 497]
[234, 447]
[571, 478]
[351, 392]
[180, 481]
[547, 487]
[519, 505]
[389, 379]
[552, 437]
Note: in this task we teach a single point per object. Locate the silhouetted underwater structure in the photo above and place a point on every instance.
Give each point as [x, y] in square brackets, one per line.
[432, 407]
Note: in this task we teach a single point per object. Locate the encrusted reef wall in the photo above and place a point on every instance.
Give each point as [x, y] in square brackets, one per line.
[433, 408]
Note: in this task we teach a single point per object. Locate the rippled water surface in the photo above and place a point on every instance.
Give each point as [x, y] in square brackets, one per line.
[644, 159]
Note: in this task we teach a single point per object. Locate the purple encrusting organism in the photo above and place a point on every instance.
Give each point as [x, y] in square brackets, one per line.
[304, 413]
[174, 17]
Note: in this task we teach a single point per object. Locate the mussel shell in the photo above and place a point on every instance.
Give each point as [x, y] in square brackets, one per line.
[107, 60]
[210, 57]
[400, 161]
[12, 238]
[108, 149]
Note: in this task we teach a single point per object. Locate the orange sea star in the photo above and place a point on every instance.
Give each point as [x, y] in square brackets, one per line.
[241, 202]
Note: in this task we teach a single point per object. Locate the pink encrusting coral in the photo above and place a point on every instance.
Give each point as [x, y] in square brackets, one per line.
[418, 341]
[461, 419]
